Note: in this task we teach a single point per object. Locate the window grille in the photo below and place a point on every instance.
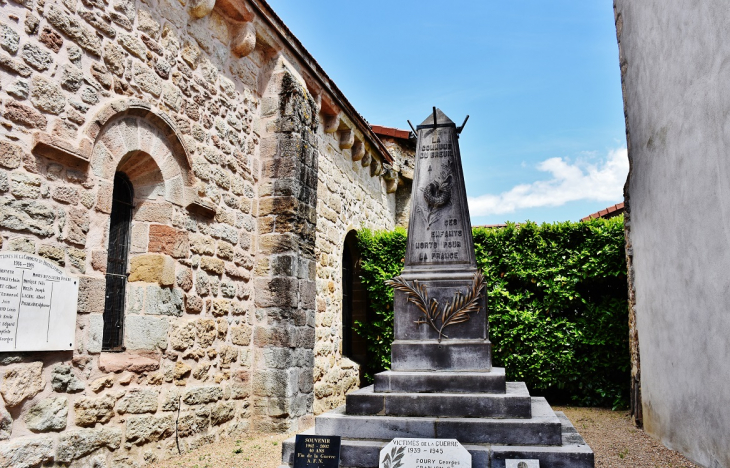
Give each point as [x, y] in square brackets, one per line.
[116, 265]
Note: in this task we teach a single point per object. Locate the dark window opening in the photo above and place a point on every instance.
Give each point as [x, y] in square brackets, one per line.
[116, 265]
[354, 303]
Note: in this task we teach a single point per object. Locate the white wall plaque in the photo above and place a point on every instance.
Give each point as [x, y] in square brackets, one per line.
[522, 463]
[38, 304]
[424, 453]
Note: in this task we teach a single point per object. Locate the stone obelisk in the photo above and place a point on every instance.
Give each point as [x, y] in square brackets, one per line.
[440, 310]
[441, 384]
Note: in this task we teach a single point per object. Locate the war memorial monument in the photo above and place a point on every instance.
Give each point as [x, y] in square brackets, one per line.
[442, 385]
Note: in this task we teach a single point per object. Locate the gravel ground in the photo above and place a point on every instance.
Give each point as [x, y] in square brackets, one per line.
[614, 440]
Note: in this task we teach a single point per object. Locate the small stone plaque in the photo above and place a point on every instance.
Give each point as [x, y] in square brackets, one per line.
[424, 453]
[522, 463]
[38, 304]
[313, 451]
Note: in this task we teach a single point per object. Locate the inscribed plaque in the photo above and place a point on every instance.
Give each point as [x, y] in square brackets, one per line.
[424, 453]
[38, 304]
[313, 451]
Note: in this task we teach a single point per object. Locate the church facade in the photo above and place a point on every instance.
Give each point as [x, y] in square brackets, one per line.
[200, 174]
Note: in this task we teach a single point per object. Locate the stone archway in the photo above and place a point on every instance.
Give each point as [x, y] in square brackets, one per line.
[132, 138]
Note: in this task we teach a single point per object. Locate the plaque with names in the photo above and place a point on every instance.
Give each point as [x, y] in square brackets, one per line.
[38, 303]
[424, 453]
[522, 463]
[315, 451]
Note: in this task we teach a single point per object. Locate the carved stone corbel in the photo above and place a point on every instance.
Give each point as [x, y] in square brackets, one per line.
[200, 8]
[60, 150]
[244, 40]
[358, 150]
[347, 138]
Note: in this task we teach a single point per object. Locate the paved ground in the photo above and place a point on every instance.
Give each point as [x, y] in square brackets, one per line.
[615, 441]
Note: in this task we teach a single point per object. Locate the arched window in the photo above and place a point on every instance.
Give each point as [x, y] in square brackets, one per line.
[116, 265]
[354, 301]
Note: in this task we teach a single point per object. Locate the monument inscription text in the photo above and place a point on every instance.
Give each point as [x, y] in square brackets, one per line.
[312, 451]
[424, 453]
[37, 304]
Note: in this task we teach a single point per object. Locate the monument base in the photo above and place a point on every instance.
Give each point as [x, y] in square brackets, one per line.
[452, 355]
[495, 420]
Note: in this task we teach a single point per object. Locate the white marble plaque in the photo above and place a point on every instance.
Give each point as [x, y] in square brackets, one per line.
[38, 304]
[522, 463]
[424, 453]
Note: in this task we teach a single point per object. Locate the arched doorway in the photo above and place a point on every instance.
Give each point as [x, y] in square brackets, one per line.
[354, 302]
[116, 265]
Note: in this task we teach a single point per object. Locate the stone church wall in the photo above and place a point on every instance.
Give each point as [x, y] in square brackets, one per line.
[249, 168]
[349, 198]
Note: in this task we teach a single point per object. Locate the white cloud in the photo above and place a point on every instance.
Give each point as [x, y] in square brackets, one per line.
[603, 181]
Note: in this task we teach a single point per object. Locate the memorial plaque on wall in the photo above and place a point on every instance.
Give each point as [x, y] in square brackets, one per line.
[314, 451]
[38, 302]
[424, 453]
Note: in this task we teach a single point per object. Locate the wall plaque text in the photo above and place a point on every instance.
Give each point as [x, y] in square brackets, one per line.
[37, 304]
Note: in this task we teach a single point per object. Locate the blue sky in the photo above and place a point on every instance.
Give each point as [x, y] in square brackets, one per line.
[540, 79]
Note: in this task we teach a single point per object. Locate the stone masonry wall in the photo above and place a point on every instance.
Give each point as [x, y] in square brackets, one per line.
[244, 192]
[348, 198]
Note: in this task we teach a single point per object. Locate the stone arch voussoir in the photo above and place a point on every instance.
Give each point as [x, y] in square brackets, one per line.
[129, 127]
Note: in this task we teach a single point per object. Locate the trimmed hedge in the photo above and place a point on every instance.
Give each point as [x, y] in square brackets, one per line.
[557, 303]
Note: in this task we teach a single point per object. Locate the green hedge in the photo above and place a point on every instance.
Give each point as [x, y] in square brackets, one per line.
[558, 310]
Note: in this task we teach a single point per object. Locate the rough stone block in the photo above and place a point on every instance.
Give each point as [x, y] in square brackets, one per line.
[276, 292]
[137, 401]
[137, 361]
[49, 414]
[26, 452]
[90, 411]
[91, 295]
[152, 268]
[95, 333]
[24, 115]
[22, 381]
[202, 395]
[154, 212]
[64, 380]
[164, 301]
[11, 155]
[142, 332]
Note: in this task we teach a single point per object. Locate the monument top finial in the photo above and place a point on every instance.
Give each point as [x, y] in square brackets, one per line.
[439, 117]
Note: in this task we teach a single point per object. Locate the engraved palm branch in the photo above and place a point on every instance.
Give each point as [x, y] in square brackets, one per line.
[394, 458]
[456, 311]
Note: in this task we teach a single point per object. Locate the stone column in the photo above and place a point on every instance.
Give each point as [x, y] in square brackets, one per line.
[285, 271]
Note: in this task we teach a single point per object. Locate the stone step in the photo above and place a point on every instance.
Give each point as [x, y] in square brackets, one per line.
[514, 403]
[436, 382]
[543, 428]
[573, 453]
